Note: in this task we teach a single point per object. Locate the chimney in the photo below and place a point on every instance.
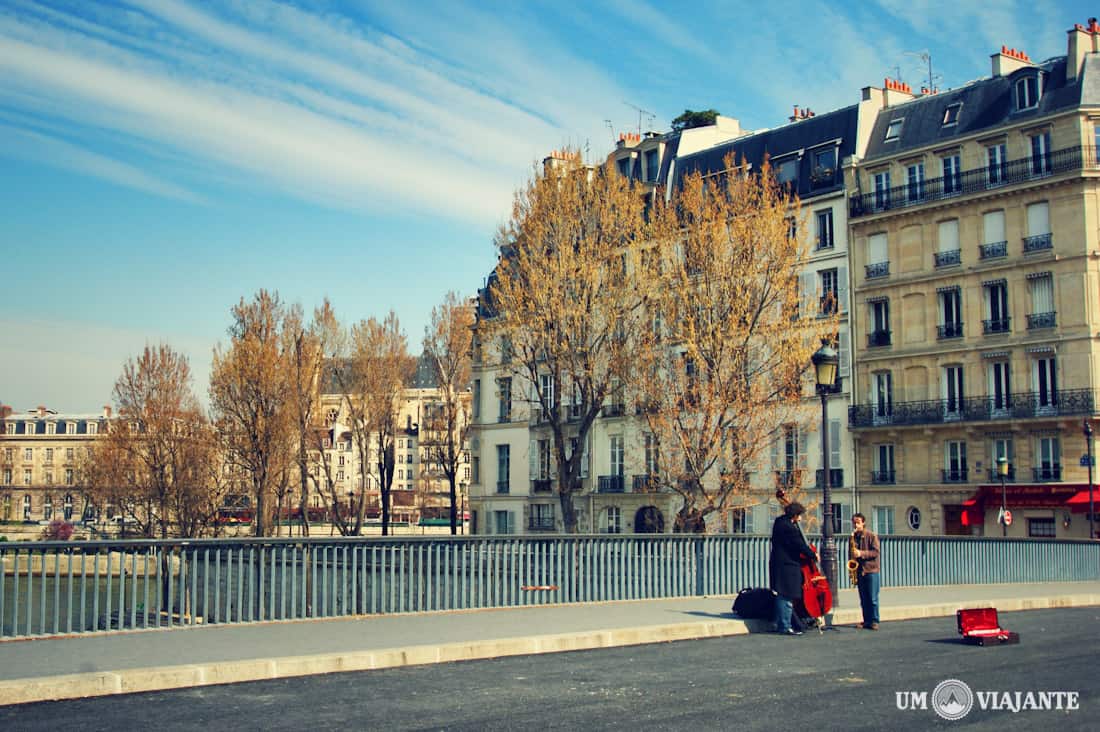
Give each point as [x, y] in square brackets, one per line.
[5, 411]
[1008, 60]
[106, 411]
[1082, 41]
[41, 410]
[895, 92]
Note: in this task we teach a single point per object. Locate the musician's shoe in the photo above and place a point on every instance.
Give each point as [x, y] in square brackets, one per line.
[789, 631]
[871, 626]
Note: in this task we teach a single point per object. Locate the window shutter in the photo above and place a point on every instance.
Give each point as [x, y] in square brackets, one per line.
[834, 443]
[808, 291]
[994, 227]
[584, 459]
[845, 358]
[533, 459]
[949, 236]
[876, 249]
[1038, 219]
[842, 288]
[800, 437]
[775, 449]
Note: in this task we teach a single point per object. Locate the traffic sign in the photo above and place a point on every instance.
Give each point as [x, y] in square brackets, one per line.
[1008, 517]
[1085, 460]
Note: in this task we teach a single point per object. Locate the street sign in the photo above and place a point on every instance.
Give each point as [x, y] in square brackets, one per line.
[1008, 517]
[1085, 461]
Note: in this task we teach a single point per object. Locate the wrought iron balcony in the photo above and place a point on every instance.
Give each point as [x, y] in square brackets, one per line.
[993, 251]
[948, 259]
[1028, 405]
[956, 475]
[995, 477]
[645, 483]
[542, 485]
[788, 478]
[612, 410]
[997, 325]
[878, 269]
[878, 338]
[503, 486]
[975, 180]
[1047, 473]
[1041, 320]
[1038, 243]
[836, 478]
[540, 523]
[610, 484]
[883, 477]
[949, 330]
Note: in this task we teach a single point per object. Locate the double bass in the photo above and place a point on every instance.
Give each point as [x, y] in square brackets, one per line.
[817, 597]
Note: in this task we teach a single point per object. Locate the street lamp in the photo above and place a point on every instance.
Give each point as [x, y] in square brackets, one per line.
[1088, 446]
[825, 361]
[1002, 470]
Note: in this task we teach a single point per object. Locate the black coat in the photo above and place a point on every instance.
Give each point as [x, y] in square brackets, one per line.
[784, 564]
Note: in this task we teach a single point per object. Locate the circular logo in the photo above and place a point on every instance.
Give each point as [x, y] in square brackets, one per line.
[952, 699]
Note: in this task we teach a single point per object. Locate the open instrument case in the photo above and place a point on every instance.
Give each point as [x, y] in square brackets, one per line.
[980, 627]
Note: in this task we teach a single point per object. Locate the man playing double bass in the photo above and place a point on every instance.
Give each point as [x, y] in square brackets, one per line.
[785, 565]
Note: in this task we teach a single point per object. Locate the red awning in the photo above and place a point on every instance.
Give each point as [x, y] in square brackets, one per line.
[1031, 495]
[1079, 501]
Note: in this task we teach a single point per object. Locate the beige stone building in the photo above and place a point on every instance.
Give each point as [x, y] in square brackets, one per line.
[975, 259]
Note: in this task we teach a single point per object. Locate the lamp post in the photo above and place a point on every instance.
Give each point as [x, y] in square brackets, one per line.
[1087, 429]
[825, 362]
[1002, 470]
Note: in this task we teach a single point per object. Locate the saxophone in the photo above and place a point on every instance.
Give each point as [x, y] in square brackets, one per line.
[853, 563]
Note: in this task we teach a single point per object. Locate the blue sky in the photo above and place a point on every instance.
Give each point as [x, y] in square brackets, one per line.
[160, 159]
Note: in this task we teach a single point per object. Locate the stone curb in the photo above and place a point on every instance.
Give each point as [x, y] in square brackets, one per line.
[161, 678]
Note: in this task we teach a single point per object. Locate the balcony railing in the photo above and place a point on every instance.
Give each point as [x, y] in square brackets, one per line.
[883, 477]
[948, 259]
[503, 486]
[995, 477]
[955, 475]
[1038, 243]
[1041, 320]
[974, 181]
[1047, 473]
[949, 330]
[878, 338]
[612, 410]
[542, 485]
[610, 484]
[878, 269]
[836, 478]
[1067, 402]
[645, 483]
[788, 478]
[993, 251]
[996, 325]
[540, 523]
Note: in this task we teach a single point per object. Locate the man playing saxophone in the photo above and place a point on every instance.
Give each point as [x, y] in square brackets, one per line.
[864, 550]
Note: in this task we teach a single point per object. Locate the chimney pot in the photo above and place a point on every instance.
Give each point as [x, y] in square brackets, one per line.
[107, 411]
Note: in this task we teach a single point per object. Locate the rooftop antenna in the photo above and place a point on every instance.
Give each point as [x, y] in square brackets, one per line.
[611, 128]
[926, 57]
[642, 113]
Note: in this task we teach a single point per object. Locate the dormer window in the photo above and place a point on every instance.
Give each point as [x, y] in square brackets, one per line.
[786, 171]
[1027, 92]
[893, 132]
[28, 428]
[951, 115]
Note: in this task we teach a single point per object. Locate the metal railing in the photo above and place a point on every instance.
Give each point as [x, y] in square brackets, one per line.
[949, 330]
[995, 325]
[993, 251]
[877, 338]
[1041, 320]
[1038, 243]
[878, 269]
[542, 485]
[610, 484]
[883, 477]
[50, 588]
[947, 259]
[1022, 170]
[1067, 402]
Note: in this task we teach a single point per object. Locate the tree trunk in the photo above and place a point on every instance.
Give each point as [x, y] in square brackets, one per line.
[454, 507]
[568, 511]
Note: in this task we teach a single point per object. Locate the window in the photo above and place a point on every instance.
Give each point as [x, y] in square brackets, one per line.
[504, 457]
[26, 476]
[1000, 395]
[951, 114]
[947, 248]
[503, 522]
[912, 517]
[996, 164]
[652, 165]
[7, 476]
[1041, 287]
[68, 454]
[10, 428]
[1027, 92]
[880, 323]
[950, 313]
[28, 428]
[952, 176]
[613, 520]
[68, 510]
[47, 507]
[825, 163]
[1040, 153]
[954, 462]
[882, 396]
[624, 171]
[878, 262]
[882, 518]
[475, 406]
[542, 516]
[51, 428]
[651, 455]
[824, 229]
[93, 428]
[993, 235]
[9, 454]
[996, 306]
[475, 469]
[829, 291]
[1050, 459]
[914, 185]
[1045, 384]
[28, 454]
[616, 454]
[69, 476]
[546, 389]
[786, 171]
[1038, 219]
[505, 406]
[741, 521]
[543, 454]
[48, 477]
[952, 392]
[893, 131]
[1001, 447]
[1041, 527]
[5, 508]
[882, 189]
[26, 507]
[884, 464]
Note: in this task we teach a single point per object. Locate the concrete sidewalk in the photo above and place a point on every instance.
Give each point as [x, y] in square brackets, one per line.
[94, 665]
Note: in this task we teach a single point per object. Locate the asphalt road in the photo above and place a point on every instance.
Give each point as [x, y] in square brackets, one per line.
[846, 679]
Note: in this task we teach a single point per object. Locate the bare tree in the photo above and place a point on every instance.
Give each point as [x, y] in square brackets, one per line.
[562, 314]
[250, 395]
[445, 425]
[729, 339]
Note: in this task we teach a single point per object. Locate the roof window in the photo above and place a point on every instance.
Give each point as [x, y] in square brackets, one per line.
[951, 114]
[893, 132]
[1027, 92]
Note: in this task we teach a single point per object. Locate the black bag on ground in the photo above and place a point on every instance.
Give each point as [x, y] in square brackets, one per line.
[755, 603]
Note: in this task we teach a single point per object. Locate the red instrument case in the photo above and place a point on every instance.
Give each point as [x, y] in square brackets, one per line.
[980, 627]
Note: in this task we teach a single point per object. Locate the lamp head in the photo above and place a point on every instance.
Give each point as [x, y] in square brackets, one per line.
[825, 360]
[1086, 428]
[1002, 466]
